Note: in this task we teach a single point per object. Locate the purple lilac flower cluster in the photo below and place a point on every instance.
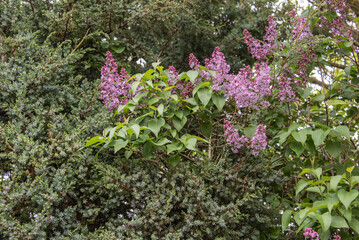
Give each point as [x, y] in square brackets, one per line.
[258, 50]
[248, 93]
[114, 87]
[258, 142]
[290, 80]
[302, 26]
[233, 138]
[337, 25]
[218, 63]
[172, 75]
[310, 233]
[336, 237]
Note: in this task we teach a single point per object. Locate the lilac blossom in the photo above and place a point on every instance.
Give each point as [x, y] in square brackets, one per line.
[336, 237]
[338, 25]
[310, 233]
[233, 138]
[256, 48]
[247, 92]
[286, 91]
[172, 75]
[302, 26]
[195, 65]
[259, 140]
[218, 63]
[114, 87]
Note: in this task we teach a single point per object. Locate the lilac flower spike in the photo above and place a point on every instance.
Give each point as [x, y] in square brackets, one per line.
[259, 141]
[114, 88]
[310, 234]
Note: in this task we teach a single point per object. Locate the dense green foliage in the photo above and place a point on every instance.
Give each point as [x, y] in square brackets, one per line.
[165, 171]
[53, 187]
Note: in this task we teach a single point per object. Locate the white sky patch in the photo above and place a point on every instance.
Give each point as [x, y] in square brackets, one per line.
[141, 62]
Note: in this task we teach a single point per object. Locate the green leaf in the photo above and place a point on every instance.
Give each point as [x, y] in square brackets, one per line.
[343, 130]
[283, 136]
[250, 131]
[160, 109]
[297, 148]
[119, 109]
[179, 114]
[153, 100]
[334, 181]
[347, 213]
[219, 101]
[319, 136]
[139, 119]
[119, 144]
[354, 224]
[339, 222]
[192, 75]
[155, 64]
[118, 49]
[174, 160]
[350, 169]
[191, 101]
[319, 189]
[199, 86]
[317, 172]
[112, 132]
[300, 136]
[138, 96]
[306, 92]
[155, 125]
[161, 142]
[286, 219]
[354, 180]
[325, 220]
[94, 140]
[336, 102]
[179, 124]
[174, 147]
[347, 197]
[191, 143]
[333, 148]
[128, 154]
[147, 150]
[134, 86]
[136, 129]
[205, 94]
[348, 44]
[206, 129]
[319, 98]
[301, 185]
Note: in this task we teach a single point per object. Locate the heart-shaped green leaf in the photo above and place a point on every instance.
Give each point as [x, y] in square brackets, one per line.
[119, 144]
[178, 124]
[219, 101]
[334, 181]
[300, 136]
[205, 94]
[192, 75]
[333, 148]
[347, 197]
[325, 220]
[155, 125]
